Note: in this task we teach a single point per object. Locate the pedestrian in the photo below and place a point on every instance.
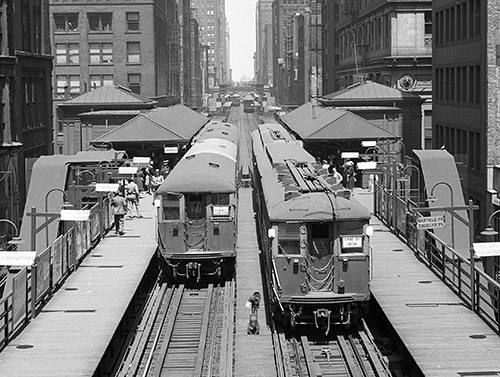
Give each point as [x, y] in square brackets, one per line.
[132, 199]
[337, 177]
[119, 209]
[156, 181]
[350, 178]
[325, 165]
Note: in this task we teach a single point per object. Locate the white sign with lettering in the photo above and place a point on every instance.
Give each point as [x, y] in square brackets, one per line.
[75, 215]
[128, 170]
[351, 242]
[17, 258]
[487, 249]
[106, 187]
[430, 222]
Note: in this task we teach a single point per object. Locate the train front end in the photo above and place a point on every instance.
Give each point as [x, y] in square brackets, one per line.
[197, 214]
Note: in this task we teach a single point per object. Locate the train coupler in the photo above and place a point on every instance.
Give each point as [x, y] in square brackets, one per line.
[193, 270]
[322, 320]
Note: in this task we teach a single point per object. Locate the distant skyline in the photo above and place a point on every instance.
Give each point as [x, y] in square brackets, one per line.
[240, 15]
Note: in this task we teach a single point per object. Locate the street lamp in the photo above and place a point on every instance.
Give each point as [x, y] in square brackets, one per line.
[15, 239]
[65, 198]
[490, 230]
[418, 178]
[432, 198]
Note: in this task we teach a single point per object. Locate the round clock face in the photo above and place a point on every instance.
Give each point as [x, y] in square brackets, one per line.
[406, 81]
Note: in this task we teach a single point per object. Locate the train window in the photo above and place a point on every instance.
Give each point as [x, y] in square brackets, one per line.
[220, 199]
[351, 227]
[320, 237]
[171, 207]
[289, 238]
[195, 206]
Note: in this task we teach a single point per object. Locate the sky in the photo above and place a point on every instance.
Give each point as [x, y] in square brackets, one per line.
[240, 16]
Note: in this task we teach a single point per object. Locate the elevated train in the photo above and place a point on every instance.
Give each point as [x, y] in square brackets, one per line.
[197, 207]
[314, 235]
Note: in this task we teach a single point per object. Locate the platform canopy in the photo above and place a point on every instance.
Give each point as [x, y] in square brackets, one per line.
[165, 124]
[312, 123]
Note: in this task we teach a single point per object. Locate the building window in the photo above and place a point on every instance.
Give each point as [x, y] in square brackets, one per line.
[66, 21]
[100, 21]
[68, 84]
[97, 81]
[67, 53]
[428, 22]
[132, 21]
[133, 52]
[101, 53]
[134, 82]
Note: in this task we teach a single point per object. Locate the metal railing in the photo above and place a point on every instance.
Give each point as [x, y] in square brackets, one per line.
[33, 285]
[399, 214]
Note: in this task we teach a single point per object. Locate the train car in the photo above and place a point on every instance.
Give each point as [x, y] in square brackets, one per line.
[236, 100]
[314, 235]
[248, 104]
[197, 207]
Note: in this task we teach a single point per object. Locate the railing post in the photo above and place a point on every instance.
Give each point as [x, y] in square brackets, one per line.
[33, 290]
[471, 257]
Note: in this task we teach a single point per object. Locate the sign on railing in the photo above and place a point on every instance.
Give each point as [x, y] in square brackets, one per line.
[487, 249]
[431, 222]
[17, 258]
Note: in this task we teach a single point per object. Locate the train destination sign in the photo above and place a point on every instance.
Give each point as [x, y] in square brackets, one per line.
[17, 258]
[106, 187]
[431, 222]
[350, 242]
[487, 249]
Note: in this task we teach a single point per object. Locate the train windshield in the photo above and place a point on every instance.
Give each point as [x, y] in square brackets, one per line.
[171, 207]
[289, 239]
[320, 239]
[195, 206]
[220, 199]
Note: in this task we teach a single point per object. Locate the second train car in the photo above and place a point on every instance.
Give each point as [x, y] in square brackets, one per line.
[197, 207]
[313, 235]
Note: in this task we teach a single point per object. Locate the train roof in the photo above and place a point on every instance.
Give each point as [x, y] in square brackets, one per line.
[209, 165]
[295, 188]
[219, 130]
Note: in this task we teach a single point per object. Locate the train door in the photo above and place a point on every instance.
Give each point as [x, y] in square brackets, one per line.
[195, 221]
[320, 261]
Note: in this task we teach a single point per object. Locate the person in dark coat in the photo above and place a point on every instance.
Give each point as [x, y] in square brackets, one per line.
[119, 210]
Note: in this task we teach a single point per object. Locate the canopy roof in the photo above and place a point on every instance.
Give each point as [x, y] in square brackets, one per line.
[175, 123]
[108, 95]
[368, 91]
[311, 122]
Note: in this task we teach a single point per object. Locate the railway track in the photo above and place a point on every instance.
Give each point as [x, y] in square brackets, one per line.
[184, 332]
[350, 354]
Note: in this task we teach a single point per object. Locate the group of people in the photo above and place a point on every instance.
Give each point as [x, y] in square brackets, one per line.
[126, 200]
[348, 179]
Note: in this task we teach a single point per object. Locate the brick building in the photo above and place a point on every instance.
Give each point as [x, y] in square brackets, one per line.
[25, 94]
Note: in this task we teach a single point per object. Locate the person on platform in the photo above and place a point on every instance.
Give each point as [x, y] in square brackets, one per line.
[119, 210]
[133, 199]
[337, 177]
[156, 181]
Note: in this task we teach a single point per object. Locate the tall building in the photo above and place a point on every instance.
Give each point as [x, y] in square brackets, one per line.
[389, 42]
[264, 42]
[211, 16]
[100, 43]
[25, 97]
[466, 94]
[282, 11]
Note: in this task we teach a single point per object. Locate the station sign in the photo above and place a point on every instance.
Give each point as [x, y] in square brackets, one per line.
[128, 170]
[141, 161]
[170, 150]
[75, 214]
[106, 187]
[369, 143]
[349, 155]
[352, 242]
[487, 249]
[17, 258]
[431, 222]
[367, 165]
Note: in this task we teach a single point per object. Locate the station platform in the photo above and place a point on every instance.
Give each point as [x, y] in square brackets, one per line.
[253, 354]
[442, 335]
[72, 332]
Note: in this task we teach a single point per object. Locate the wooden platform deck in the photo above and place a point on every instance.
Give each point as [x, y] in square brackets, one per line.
[253, 354]
[442, 335]
[71, 334]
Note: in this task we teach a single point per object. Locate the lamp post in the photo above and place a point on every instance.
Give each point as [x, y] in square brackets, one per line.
[15, 238]
[65, 198]
[490, 230]
[418, 178]
[432, 197]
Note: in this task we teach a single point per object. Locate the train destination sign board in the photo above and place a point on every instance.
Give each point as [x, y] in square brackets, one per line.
[430, 222]
[17, 258]
[487, 249]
